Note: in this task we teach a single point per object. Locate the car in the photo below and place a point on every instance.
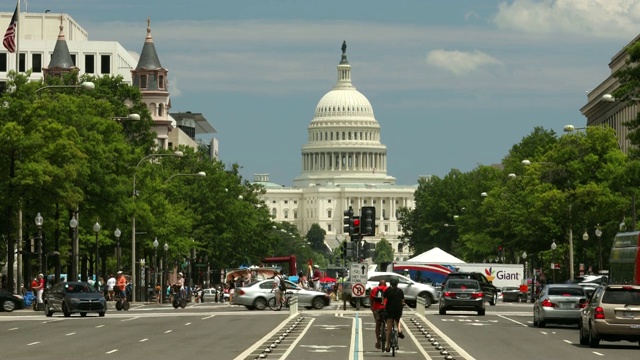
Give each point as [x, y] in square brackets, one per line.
[512, 293]
[589, 288]
[10, 302]
[488, 289]
[72, 297]
[461, 294]
[559, 304]
[412, 290]
[210, 295]
[257, 294]
[612, 314]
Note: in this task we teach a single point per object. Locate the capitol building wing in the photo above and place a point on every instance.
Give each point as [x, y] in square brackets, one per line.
[343, 164]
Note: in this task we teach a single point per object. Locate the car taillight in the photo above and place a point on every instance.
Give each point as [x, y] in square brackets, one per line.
[447, 294]
[598, 313]
[240, 292]
[477, 295]
[547, 303]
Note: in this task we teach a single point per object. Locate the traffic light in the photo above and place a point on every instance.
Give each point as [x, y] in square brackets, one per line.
[368, 250]
[348, 221]
[356, 225]
[368, 219]
[349, 249]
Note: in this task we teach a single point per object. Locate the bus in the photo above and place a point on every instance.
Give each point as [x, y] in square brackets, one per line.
[624, 262]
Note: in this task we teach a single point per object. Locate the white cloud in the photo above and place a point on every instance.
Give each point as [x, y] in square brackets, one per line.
[460, 62]
[600, 18]
[173, 87]
[471, 15]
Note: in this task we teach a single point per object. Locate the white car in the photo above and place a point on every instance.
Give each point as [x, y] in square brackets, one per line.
[410, 288]
[209, 295]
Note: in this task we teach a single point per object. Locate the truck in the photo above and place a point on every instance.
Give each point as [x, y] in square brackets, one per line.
[501, 275]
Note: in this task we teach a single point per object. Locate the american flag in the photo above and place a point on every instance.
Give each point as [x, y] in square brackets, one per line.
[9, 40]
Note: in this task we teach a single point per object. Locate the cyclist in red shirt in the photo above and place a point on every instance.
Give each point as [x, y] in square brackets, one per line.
[377, 307]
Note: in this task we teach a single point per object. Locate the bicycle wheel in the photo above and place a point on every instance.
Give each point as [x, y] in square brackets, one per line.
[273, 304]
[393, 340]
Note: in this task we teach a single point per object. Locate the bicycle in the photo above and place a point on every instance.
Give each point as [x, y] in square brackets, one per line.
[277, 305]
[383, 330]
[393, 337]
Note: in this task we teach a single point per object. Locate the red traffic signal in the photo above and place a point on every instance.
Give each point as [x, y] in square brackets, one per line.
[356, 222]
[356, 225]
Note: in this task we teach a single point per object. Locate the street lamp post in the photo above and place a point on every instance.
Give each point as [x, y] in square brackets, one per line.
[599, 235]
[87, 85]
[130, 117]
[39, 221]
[165, 265]
[96, 229]
[155, 263]
[553, 264]
[117, 234]
[73, 224]
[585, 238]
[133, 222]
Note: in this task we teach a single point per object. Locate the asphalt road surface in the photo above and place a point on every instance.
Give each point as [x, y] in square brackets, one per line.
[221, 331]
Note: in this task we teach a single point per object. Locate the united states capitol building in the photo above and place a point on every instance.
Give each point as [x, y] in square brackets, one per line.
[343, 164]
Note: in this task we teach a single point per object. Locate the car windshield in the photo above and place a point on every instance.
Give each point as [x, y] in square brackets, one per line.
[621, 296]
[77, 288]
[458, 284]
[566, 291]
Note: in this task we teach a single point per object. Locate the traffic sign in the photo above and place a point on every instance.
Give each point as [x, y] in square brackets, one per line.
[358, 276]
[357, 290]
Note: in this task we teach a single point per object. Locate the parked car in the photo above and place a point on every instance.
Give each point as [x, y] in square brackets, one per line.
[74, 297]
[461, 294]
[10, 302]
[410, 288]
[513, 294]
[559, 304]
[210, 295]
[488, 289]
[257, 294]
[613, 314]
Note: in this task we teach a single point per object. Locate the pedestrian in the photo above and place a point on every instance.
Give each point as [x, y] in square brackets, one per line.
[111, 282]
[40, 290]
[316, 277]
[158, 291]
[231, 283]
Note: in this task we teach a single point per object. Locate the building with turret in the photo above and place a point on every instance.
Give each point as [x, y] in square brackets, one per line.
[344, 164]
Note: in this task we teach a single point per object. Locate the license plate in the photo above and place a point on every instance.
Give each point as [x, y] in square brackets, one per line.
[463, 296]
[566, 305]
[628, 315]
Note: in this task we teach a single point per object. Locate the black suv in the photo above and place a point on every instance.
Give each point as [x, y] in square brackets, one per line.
[489, 290]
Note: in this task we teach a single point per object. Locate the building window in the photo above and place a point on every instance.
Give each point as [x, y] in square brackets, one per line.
[286, 201]
[3, 62]
[273, 202]
[384, 214]
[286, 213]
[386, 228]
[329, 214]
[161, 82]
[295, 201]
[274, 212]
[105, 64]
[143, 81]
[364, 202]
[89, 64]
[36, 63]
[329, 201]
[22, 64]
[295, 214]
[73, 59]
[161, 109]
[400, 247]
[329, 227]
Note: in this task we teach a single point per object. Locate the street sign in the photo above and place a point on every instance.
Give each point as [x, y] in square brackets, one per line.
[358, 276]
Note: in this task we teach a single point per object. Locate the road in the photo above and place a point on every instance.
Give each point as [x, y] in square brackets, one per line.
[220, 331]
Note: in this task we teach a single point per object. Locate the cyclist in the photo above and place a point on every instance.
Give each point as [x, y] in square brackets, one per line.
[395, 302]
[377, 307]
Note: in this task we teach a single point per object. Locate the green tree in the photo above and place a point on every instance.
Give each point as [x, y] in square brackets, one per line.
[315, 236]
[383, 252]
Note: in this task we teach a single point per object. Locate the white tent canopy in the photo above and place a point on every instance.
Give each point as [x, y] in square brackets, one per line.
[436, 256]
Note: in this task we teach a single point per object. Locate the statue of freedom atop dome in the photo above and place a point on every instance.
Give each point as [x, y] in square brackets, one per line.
[344, 46]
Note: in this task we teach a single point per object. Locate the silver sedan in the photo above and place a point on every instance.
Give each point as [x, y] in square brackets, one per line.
[559, 304]
[256, 295]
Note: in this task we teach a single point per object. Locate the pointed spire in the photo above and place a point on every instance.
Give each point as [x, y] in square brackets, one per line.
[61, 61]
[149, 57]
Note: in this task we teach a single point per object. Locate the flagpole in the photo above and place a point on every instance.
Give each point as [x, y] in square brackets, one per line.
[18, 39]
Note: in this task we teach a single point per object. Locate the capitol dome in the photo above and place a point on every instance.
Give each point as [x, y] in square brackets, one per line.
[344, 138]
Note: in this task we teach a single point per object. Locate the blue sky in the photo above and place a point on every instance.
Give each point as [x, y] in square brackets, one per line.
[453, 84]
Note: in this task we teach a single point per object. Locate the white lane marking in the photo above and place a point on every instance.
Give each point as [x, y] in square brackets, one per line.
[208, 317]
[297, 340]
[111, 351]
[259, 343]
[356, 323]
[544, 333]
[405, 329]
[34, 343]
[597, 353]
[133, 318]
[456, 347]
[567, 341]
[99, 326]
[512, 320]
[187, 324]
[168, 331]
[13, 329]
[142, 340]
[69, 334]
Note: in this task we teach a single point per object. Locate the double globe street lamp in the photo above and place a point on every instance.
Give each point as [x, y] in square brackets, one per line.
[117, 234]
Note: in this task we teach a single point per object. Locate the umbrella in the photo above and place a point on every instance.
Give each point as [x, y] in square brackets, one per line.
[327, 279]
